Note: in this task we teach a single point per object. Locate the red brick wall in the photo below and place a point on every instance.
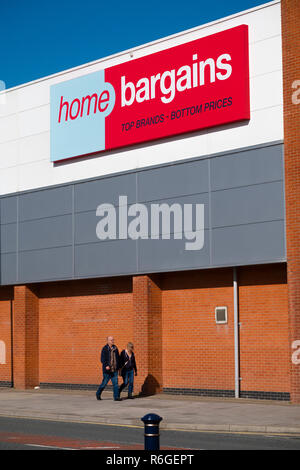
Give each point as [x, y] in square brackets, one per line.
[290, 10]
[147, 308]
[75, 319]
[171, 320]
[264, 342]
[156, 333]
[197, 353]
[25, 337]
[6, 296]
[192, 339]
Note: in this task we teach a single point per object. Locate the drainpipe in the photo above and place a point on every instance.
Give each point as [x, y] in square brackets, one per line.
[11, 344]
[236, 334]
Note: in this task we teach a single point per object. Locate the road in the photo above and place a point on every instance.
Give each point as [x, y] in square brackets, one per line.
[33, 434]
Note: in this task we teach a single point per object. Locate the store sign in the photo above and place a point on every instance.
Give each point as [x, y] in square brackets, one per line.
[197, 85]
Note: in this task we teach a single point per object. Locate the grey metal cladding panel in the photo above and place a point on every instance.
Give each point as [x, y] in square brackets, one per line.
[173, 180]
[54, 263]
[247, 189]
[45, 233]
[90, 194]
[8, 238]
[247, 167]
[105, 258]
[8, 268]
[45, 203]
[258, 203]
[8, 209]
[86, 222]
[159, 255]
[177, 223]
[248, 244]
[85, 227]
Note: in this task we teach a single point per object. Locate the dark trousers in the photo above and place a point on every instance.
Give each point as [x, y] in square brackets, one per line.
[106, 378]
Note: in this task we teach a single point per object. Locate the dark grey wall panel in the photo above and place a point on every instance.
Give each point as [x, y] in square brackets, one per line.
[86, 222]
[106, 258]
[247, 168]
[8, 268]
[45, 203]
[53, 263]
[8, 237]
[45, 233]
[51, 234]
[173, 180]
[168, 255]
[248, 244]
[85, 227]
[175, 207]
[8, 210]
[92, 193]
[246, 205]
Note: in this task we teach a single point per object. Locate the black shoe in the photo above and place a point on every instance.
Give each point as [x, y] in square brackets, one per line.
[98, 397]
[117, 399]
[130, 397]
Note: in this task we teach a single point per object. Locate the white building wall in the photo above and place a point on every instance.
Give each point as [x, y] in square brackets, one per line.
[25, 115]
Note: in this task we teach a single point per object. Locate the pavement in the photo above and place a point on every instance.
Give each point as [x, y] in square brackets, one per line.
[178, 412]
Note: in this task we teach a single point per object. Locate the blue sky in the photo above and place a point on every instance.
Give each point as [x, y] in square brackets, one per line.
[42, 37]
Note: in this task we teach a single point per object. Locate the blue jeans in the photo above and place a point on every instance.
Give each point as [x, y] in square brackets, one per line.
[106, 378]
[127, 378]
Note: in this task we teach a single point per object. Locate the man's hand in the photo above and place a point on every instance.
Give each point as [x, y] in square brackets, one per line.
[107, 368]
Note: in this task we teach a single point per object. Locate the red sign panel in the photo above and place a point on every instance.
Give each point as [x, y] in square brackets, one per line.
[200, 84]
[193, 86]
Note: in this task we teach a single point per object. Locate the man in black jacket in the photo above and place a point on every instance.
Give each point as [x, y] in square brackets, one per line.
[110, 364]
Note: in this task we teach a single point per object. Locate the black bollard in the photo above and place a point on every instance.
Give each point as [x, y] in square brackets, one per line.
[151, 422]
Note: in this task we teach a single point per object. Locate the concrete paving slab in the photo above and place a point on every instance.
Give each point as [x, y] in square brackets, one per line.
[178, 412]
